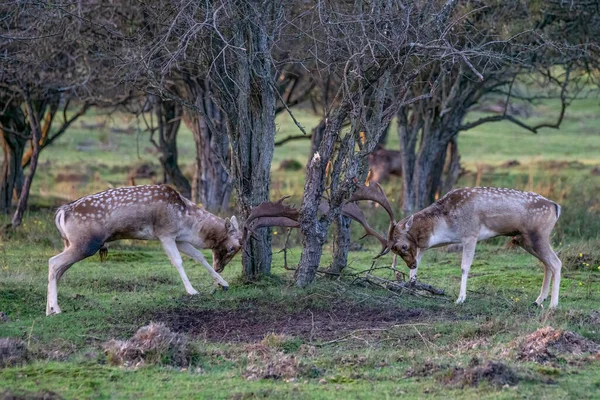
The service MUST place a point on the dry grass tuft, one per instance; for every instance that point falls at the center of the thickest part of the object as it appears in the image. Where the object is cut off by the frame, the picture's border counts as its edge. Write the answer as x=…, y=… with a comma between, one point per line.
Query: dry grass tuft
x=153, y=343
x=266, y=363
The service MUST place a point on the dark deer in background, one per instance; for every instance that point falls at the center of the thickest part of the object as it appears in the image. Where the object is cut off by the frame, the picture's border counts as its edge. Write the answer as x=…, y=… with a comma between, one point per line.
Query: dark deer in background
x=469, y=215
x=154, y=212
x=383, y=163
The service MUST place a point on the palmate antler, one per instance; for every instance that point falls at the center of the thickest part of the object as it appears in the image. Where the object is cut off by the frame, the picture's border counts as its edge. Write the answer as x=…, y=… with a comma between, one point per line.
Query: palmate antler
x=374, y=192
x=352, y=211
x=271, y=214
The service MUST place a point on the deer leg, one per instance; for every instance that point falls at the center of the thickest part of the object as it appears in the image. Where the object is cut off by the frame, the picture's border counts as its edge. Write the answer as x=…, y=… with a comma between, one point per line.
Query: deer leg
x=541, y=249
x=57, y=266
x=197, y=256
x=467, y=259
x=413, y=272
x=552, y=264
x=545, y=286
x=170, y=248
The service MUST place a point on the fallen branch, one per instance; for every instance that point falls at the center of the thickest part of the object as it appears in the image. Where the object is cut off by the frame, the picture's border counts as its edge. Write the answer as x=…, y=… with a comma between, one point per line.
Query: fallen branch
x=411, y=287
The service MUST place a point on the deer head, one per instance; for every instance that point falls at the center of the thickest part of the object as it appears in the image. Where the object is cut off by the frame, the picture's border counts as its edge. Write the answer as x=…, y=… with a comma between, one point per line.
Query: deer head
x=229, y=246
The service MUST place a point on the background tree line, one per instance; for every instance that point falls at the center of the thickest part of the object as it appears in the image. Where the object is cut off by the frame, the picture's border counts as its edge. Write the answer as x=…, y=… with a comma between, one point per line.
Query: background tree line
x=227, y=68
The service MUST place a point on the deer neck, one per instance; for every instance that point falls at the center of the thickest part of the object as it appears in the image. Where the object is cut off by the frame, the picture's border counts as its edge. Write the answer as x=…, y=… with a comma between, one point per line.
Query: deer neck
x=430, y=230
x=208, y=230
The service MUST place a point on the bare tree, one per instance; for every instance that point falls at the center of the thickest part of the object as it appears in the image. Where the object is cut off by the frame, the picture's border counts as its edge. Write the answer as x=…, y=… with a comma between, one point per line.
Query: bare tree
x=42, y=72
x=371, y=46
x=500, y=51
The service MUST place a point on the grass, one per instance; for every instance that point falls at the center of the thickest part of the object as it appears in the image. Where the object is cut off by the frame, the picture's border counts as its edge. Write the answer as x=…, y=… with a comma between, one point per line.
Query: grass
x=335, y=339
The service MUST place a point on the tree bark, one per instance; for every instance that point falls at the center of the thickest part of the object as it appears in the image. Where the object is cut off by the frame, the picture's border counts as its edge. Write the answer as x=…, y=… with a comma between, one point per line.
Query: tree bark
x=452, y=167
x=408, y=141
x=316, y=137
x=341, y=244
x=11, y=178
x=168, y=115
x=211, y=183
x=251, y=125
x=15, y=135
x=314, y=229
x=36, y=134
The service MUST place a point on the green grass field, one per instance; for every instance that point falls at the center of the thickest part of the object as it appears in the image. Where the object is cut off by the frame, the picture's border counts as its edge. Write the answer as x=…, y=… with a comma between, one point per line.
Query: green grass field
x=336, y=339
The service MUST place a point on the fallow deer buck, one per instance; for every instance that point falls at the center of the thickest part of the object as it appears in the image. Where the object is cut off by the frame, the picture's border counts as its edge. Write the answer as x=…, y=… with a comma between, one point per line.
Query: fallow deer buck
x=153, y=212
x=469, y=215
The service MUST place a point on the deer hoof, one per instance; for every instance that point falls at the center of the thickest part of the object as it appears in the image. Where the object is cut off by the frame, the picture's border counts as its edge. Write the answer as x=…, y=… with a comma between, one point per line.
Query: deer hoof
x=225, y=287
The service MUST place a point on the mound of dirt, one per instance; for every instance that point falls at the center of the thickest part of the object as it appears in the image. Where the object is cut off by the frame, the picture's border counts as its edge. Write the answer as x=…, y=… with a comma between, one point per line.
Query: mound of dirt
x=548, y=344
x=423, y=370
x=12, y=352
x=252, y=322
x=493, y=372
x=153, y=343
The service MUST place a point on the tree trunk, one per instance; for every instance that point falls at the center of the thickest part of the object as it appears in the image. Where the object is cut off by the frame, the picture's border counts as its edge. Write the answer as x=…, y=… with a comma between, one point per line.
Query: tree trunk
x=13, y=139
x=36, y=134
x=408, y=141
x=251, y=127
x=316, y=137
x=168, y=115
x=341, y=244
x=452, y=167
x=428, y=167
x=11, y=178
x=211, y=184
x=313, y=228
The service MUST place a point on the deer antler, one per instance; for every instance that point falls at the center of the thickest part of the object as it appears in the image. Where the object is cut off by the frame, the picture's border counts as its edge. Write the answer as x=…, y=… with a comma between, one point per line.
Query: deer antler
x=374, y=192
x=271, y=214
x=351, y=210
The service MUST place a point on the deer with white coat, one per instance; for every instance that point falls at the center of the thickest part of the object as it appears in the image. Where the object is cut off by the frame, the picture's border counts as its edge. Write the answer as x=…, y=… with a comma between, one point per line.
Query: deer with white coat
x=469, y=215
x=153, y=212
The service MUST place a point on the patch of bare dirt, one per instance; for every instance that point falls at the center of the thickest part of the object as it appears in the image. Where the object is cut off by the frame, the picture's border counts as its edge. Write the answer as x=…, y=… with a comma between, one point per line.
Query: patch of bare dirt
x=493, y=372
x=252, y=322
x=154, y=343
x=22, y=395
x=548, y=344
x=12, y=352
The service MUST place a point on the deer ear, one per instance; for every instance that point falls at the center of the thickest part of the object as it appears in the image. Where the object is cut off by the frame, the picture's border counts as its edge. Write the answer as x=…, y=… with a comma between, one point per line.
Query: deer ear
x=408, y=223
x=228, y=225
x=235, y=224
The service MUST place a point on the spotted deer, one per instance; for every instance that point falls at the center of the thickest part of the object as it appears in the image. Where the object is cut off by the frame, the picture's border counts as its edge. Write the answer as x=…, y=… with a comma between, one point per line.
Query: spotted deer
x=469, y=215
x=153, y=212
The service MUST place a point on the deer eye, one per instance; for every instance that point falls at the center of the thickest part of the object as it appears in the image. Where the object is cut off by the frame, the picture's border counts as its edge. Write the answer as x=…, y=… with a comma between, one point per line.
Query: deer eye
x=404, y=248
